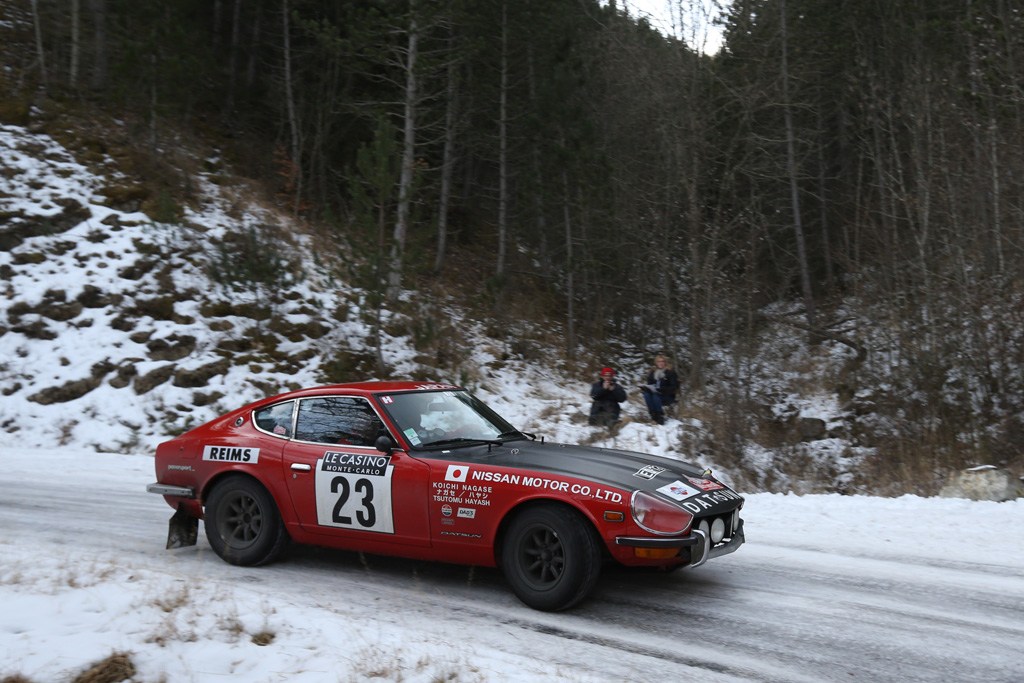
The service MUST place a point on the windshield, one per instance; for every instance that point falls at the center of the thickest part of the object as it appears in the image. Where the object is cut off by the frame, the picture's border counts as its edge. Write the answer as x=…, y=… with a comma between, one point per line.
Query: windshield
x=445, y=418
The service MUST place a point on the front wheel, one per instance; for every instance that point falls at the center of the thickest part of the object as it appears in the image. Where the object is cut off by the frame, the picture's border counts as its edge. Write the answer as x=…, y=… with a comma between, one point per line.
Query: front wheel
x=551, y=557
x=242, y=522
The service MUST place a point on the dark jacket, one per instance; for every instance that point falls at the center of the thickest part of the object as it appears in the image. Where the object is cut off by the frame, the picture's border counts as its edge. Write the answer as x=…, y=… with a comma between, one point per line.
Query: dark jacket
x=606, y=401
x=666, y=387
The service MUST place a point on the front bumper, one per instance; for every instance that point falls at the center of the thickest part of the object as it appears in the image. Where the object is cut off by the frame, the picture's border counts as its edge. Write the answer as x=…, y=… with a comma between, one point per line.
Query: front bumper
x=700, y=546
x=730, y=546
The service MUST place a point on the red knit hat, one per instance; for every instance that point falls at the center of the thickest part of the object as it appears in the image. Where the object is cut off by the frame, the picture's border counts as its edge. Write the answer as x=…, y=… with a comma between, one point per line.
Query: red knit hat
x=607, y=372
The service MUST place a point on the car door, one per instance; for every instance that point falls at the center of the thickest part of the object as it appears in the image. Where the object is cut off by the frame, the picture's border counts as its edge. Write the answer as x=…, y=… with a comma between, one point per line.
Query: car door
x=342, y=486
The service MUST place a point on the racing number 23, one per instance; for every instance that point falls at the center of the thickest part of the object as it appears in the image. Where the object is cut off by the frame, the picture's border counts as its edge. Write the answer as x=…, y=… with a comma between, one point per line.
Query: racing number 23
x=365, y=515
x=360, y=501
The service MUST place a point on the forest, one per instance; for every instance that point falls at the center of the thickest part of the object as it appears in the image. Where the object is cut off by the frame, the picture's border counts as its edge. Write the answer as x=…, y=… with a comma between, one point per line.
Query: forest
x=852, y=170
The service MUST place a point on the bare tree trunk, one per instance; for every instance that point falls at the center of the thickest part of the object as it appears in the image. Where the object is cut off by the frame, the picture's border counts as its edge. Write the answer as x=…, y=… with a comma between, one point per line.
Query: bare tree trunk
x=885, y=205
x=570, y=291
x=540, y=217
x=503, y=148
x=408, y=160
x=954, y=208
x=40, y=54
x=236, y=30
x=99, y=22
x=702, y=269
x=447, y=163
x=801, y=247
x=75, y=42
x=250, y=72
x=378, y=281
x=538, y=175
x=152, y=98
x=217, y=8
x=920, y=208
x=826, y=247
x=997, y=228
x=289, y=96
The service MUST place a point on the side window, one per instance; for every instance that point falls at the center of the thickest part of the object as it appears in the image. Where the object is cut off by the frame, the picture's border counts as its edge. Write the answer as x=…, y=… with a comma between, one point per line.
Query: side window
x=338, y=420
x=276, y=419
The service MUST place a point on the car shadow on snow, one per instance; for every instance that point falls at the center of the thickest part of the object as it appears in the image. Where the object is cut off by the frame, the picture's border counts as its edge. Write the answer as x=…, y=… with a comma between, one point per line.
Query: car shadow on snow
x=617, y=583
x=385, y=569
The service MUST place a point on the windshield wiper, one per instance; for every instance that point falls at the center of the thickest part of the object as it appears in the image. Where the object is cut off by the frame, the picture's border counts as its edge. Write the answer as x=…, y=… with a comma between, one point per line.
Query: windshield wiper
x=517, y=433
x=440, y=443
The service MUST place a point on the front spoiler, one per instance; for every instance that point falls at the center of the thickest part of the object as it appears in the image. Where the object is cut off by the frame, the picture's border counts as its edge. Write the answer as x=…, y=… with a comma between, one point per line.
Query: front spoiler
x=697, y=540
x=730, y=546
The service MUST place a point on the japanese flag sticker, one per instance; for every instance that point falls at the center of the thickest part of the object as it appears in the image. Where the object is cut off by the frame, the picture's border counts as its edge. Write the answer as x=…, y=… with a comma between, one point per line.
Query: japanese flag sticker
x=456, y=473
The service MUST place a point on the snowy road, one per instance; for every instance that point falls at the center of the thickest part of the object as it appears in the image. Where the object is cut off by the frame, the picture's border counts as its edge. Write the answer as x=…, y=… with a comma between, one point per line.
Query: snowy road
x=828, y=588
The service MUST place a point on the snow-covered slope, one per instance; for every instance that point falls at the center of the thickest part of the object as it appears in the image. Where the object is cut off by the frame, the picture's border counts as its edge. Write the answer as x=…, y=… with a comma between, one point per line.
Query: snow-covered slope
x=116, y=330
x=113, y=331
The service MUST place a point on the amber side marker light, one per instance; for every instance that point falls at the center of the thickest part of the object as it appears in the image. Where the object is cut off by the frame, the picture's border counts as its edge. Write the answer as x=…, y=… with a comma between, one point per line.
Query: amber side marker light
x=656, y=553
x=612, y=516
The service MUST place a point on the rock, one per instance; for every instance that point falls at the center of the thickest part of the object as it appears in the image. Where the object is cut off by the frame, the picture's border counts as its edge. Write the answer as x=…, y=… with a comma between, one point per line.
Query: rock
x=94, y=297
x=125, y=374
x=18, y=227
x=145, y=383
x=67, y=392
x=136, y=270
x=35, y=330
x=811, y=428
x=55, y=306
x=174, y=347
x=200, y=376
x=202, y=399
x=986, y=482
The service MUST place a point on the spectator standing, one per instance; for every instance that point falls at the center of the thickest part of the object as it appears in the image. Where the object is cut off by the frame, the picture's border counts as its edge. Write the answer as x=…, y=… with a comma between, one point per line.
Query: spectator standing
x=607, y=394
x=660, y=388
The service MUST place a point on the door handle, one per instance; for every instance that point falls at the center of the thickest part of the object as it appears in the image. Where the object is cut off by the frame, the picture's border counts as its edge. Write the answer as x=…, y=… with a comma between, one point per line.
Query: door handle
x=299, y=467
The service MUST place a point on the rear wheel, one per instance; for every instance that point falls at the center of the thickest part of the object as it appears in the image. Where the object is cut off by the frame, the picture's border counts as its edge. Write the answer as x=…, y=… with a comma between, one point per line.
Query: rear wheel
x=242, y=522
x=551, y=557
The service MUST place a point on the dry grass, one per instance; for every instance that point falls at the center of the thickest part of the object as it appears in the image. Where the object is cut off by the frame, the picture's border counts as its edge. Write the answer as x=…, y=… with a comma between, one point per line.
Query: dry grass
x=174, y=604
x=16, y=678
x=175, y=601
x=66, y=428
x=114, y=669
x=186, y=623
x=263, y=638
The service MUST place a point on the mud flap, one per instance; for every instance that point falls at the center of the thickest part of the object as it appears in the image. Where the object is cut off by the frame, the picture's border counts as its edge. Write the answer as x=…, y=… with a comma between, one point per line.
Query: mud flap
x=182, y=530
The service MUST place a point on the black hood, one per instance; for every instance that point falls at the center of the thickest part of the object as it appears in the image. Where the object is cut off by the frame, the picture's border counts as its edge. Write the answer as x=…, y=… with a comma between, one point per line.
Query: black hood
x=627, y=470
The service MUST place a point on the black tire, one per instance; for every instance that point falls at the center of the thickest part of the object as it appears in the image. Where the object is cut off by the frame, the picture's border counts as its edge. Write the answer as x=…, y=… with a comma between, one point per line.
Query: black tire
x=551, y=557
x=242, y=522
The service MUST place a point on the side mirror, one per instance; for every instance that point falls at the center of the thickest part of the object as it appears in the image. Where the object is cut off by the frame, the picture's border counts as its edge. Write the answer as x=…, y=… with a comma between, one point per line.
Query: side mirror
x=384, y=444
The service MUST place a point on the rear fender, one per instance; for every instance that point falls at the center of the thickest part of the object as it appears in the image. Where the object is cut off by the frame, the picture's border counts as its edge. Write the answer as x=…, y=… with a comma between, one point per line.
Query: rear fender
x=276, y=490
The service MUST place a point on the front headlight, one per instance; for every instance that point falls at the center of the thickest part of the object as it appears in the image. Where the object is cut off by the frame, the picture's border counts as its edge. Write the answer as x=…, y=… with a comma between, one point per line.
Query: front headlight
x=658, y=516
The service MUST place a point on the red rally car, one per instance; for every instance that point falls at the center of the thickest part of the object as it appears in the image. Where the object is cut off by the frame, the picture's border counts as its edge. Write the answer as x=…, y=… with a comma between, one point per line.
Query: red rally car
x=428, y=471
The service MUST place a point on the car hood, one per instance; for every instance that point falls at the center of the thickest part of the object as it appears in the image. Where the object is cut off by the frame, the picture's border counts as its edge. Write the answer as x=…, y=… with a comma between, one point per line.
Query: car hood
x=674, y=479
